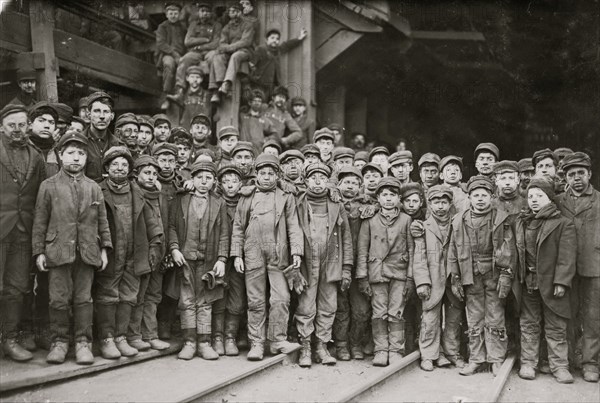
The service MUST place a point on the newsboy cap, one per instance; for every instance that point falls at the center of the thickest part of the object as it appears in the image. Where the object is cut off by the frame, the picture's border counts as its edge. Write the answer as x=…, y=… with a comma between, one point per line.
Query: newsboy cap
x=243, y=146
x=229, y=169
x=203, y=166
x=264, y=160
x=227, y=131
x=438, y=191
x=361, y=156
x=144, y=160
x=505, y=166
x=323, y=133
x=42, y=108
x=10, y=109
x=98, y=96
x=451, y=159
x=429, y=158
x=389, y=182
x=349, y=170
x=342, y=152
x=378, y=150
x=544, y=183
x=308, y=149
x=400, y=157
x=543, y=154
x=65, y=112
x=480, y=181
x=26, y=74
x=577, y=159
x=115, y=152
x=318, y=167
x=372, y=167
x=487, y=147
x=165, y=148
x=289, y=154
x=411, y=188
x=71, y=136
x=525, y=165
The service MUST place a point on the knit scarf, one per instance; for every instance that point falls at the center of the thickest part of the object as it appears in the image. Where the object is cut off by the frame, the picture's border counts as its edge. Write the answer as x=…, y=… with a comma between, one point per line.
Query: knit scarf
x=231, y=201
x=43, y=144
x=441, y=220
x=479, y=214
x=166, y=178
x=312, y=195
x=150, y=194
x=118, y=188
x=548, y=211
x=317, y=202
x=266, y=188
x=511, y=196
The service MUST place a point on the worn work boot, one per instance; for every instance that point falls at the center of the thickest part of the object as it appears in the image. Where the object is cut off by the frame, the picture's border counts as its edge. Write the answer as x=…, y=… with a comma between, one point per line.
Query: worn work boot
x=177, y=97
x=427, y=365
x=217, y=345
x=341, y=351
x=470, y=369
x=187, y=351
x=380, y=338
x=27, y=340
x=205, y=350
x=562, y=375
x=527, y=372
x=108, y=349
x=158, y=344
x=231, y=349
x=285, y=347
x=83, y=353
x=357, y=353
x=58, y=352
x=545, y=368
x=124, y=347
x=496, y=368
x=14, y=350
x=442, y=361
x=589, y=375
x=457, y=361
x=395, y=340
x=380, y=359
x=322, y=352
x=305, y=360
x=139, y=344
x=257, y=351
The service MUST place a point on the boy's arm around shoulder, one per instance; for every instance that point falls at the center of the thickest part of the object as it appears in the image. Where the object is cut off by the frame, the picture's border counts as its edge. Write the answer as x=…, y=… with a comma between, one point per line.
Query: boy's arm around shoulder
x=103, y=228
x=41, y=217
x=295, y=234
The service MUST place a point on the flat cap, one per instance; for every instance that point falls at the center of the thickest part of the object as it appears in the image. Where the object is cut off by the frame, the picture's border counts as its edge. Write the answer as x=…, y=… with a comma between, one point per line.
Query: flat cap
x=264, y=160
x=400, y=157
x=487, y=147
x=172, y=4
x=65, y=112
x=310, y=149
x=378, y=150
x=227, y=131
x=144, y=160
x=100, y=95
x=451, y=158
x=411, y=188
x=83, y=102
x=26, y=74
x=142, y=120
x=235, y=5
x=203, y=166
x=389, y=182
x=165, y=148
x=349, y=170
x=42, y=108
x=179, y=134
x=323, y=133
x=257, y=93
x=244, y=146
x=505, y=166
x=336, y=126
x=229, y=169
x=480, y=181
x=361, y=156
x=201, y=118
x=194, y=70
x=160, y=118
x=562, y=151
x=577, y=159
x=429, y=158
x=543, y=154
x=438, y=191
x=298, y=101
x=318, y=167
x=71, y=136
x=205, y=153
x=525, y=165
x=289, y=154
x=281, y=90
x=371, y=167
x=127, y=118
x=544, y=183
x=342, y=152
x=272, y=143
x=10, y=109
x=115, y=152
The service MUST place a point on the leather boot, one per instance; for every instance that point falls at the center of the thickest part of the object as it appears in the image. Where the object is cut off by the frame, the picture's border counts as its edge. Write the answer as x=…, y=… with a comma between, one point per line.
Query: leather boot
x=204, y=349
x=357, y=352
x=218, y=328
x=158, y=344
x=83, y=353
x=27, y=340
x=257, y=351
x=282, y=347
x=231, y=331
x=396, y=340
x=189, y=345
x=305, y=360
x=14, y=350
x=11, y=316
x=562, y=375
x=380, y=340
x=341, y=351
x=105, y=321
x=124, y=348
x=323, y=355
x=58, y=352
x=108, y=349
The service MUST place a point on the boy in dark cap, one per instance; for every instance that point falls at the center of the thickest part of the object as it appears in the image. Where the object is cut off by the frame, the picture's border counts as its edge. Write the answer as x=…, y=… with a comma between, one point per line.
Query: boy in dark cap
x=145, y=134
x=182, y=139
x=306, y=124
x=137, y=238
x=43, y=118
x=242, y=156
x=383, y=269
x=581, y=203
x=127, y=128
x=431, y=277
x=228, y=138
x=27, y=82
x=70, y=210
x=340, y=157
x=451, y=174
x=401, y=165
x=379, y=155
x=199, y=245
x=265, y=234
x=23, y=169
x=484, y=235
x=361, y=158
x=200, y=129
x=323, y=138
x=83, y=112
x=312, y=154
x=272, y=146
x=162, y=129
x=65, y=115
x=254, y=126
x=486, y=155
x=170, y=36
x=506, y=174
x=328, y=263
x=194, y=100
x=292, y=162
x=372, y=174
x=526, y=171
x=429, y=170
x=77, y=124
x=287, y=128
x=545, y=162
x=546, y=266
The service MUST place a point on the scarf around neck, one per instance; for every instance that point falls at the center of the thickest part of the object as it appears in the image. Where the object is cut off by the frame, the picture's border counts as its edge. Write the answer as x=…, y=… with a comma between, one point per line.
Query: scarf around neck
x=118, y=188
x=266, y=188
x=43, y=144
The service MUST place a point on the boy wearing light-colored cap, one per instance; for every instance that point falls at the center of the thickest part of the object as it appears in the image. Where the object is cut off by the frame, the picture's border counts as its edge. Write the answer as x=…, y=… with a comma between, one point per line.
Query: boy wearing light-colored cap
x=254, y=126
x=486, y=155
x=451, y=174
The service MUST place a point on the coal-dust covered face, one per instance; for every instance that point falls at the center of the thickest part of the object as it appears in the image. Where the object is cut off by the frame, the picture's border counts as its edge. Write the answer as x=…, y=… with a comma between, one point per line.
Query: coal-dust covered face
x=451, y=175
x=228, y=142
x=167, y=163
x=343, y=162
x=358, y=141
x=325, y=146
x=485, y=162
x=204, y=181
x=144, y=136
x=231, y=184
x=204, y=14
x=279, y=101
x=77, y=126
x=73, y=157
x=349, y=186
x=183, y=154
x=256, y=104
x=200, y=132
x=546, y=167
x=273, y=40
x=411, y=204
x=43, y=126
x=430, y=174
x=234, y=13
x=401, y=171
x=266, y=176
x=147, y=177
x=440, y=206
x=292, y=168
x=311, y=158
x=271, y=150
x=298, y=109
x=129, y=134
x=480, y=199
x=100, y=115
x=194, y=80
x=360, y=163
x=118, y=169
x=161, y=132
x=507, y=182
x=371, y=178
x=381, y=159
x=537, y=199
x=525, y=178
x=388, y=198
x=172, y=15
x=28, y=86
x=243, y=160
x=317, y=182
x=578, y=178
x=247, y=6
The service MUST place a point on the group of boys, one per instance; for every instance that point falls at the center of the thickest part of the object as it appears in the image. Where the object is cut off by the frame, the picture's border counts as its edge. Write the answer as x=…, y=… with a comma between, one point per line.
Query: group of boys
x=307, y=246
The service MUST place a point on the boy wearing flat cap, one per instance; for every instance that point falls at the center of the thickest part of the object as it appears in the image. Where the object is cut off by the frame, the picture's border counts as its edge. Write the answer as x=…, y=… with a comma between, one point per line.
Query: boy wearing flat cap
x=300, y=115
x=27, y=82
x=581, y=203
x=195, y=100
x=379, y=156
x=546, y=266
x=170, y=37
x=431, y=278
x=506, y=174
x=292, y=163
x=327, y=265
x=287, y=129
x=401, y=165
x=429, y=170
x=70, y=210
x=486, y=155
x=451, y=174
x=383, y=269
x=254, y=126
x=265, y=233
x=137, y=238
x=482, y=260
x=323, y=138
x=526, y=171
x=199, y=244
x=200, y=130
x=242, y=156
x=162, y=129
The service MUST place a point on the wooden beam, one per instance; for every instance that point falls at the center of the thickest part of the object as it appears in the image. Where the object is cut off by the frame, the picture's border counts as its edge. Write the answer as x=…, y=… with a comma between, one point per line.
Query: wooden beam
x=449, y=35
x=42, y=29
x=331, y=49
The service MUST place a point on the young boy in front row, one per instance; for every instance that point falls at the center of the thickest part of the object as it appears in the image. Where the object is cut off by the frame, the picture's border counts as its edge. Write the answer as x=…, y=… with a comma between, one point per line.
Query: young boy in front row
x=385, y=254
x=199, y=243
x=70, y=240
